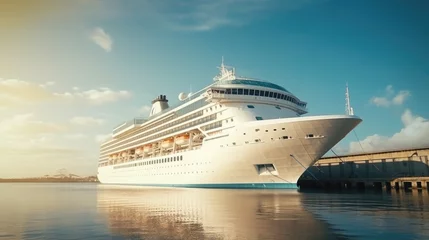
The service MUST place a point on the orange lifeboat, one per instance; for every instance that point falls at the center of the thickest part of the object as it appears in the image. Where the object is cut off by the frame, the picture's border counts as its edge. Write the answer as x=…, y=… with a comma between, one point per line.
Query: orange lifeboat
x=147, y=148
x=167, y=143
x=182, y=139
x=139, y=150
x=124, y=154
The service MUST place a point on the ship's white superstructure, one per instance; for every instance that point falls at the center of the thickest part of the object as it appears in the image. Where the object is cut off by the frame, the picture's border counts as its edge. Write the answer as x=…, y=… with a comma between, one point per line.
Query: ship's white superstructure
x=235, y=133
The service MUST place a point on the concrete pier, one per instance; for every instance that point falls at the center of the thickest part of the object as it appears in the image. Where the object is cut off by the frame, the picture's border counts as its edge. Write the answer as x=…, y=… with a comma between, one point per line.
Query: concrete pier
x=404, y=169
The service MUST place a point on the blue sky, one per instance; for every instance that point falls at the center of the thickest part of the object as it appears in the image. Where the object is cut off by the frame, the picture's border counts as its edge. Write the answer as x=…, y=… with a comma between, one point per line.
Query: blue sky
x=71, y=71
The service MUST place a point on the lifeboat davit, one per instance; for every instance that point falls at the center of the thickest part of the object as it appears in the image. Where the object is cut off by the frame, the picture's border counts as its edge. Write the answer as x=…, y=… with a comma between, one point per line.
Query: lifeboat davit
x=147, y=148
x=198, y=138
x=182, y=139
x=167, y=143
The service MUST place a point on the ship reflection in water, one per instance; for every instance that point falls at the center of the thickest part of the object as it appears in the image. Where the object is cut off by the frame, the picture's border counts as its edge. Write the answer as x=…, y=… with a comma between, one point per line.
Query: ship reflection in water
x=155, y=213
x=52, y=211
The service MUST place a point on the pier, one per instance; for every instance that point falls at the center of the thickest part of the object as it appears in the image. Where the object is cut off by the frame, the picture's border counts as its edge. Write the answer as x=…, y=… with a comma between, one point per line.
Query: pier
x=401, y=169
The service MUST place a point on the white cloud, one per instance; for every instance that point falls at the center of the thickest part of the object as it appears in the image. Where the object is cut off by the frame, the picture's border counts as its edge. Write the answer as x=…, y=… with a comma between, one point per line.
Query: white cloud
x=414, y=134
x=17, y=92
x=388, y=100
x=86, y=121
x=102, y=39
x=400, y=98
x=380, y=101
x=27, y=125
x=97, y=96
x=102, y=137
x=47, y=84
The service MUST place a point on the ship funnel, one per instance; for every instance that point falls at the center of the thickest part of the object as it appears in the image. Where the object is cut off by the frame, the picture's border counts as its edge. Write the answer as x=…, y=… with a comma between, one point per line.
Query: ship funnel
x=159, y=104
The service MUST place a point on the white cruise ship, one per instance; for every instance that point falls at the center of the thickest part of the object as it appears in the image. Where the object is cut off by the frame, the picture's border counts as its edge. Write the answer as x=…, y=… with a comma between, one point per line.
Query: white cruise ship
x=237, y=132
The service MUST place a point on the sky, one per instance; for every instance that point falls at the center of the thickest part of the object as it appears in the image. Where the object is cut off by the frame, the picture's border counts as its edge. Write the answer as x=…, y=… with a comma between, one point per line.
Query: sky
x=70, y=71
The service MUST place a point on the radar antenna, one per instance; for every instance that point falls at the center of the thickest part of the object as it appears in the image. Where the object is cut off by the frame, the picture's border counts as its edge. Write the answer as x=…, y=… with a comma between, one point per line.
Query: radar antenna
x=349, y=109
x=226, y=72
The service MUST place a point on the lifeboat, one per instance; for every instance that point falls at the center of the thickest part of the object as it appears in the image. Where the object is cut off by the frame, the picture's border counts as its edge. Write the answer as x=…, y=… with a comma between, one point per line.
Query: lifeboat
x=139, y=151
x=114, y=156
x=124, y=154
x=167, y=143
x=182, y=139
x=147, y=148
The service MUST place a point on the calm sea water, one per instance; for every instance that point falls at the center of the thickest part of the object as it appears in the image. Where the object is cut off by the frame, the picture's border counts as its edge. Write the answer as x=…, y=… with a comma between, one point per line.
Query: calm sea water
x=93, y=211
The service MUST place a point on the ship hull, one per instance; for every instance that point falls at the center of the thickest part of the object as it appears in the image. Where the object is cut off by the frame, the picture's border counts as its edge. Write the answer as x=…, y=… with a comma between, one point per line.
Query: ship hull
x=259, y=154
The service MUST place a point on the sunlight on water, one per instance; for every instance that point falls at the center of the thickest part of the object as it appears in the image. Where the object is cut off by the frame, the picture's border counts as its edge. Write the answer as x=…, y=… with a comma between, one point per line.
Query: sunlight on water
x=91, y=211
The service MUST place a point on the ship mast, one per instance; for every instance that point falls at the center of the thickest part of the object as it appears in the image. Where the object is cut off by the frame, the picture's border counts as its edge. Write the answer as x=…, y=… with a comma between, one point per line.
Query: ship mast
x=349, y=109
x=225, y=73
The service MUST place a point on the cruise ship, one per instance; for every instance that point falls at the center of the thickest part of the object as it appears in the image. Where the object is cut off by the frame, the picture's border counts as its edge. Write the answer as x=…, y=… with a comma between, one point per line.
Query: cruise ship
x=237, y=132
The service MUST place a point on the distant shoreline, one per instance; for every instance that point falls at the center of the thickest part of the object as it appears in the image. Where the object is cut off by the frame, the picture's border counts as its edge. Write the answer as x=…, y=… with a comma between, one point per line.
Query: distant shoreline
x=48, y=180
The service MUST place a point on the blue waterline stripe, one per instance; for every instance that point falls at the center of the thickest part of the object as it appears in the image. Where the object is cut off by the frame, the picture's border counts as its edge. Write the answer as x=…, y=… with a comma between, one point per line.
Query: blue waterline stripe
x=223, y=185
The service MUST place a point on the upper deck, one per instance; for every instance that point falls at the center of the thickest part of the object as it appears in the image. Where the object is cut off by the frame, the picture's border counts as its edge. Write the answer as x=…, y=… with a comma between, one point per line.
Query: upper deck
x=226, y=87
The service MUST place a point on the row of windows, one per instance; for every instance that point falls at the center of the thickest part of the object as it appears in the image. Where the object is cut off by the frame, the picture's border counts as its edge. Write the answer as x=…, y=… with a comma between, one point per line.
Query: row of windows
x=261, y=93
x=211, y=126
x=151, y=162
x=194, y=115
x=193, y=106
x=174, y=173
x=176, y=129
x=258, y=140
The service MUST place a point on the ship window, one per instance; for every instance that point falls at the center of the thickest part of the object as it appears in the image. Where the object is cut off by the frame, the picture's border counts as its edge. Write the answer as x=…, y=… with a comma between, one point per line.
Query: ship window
x=278, y=107
x=271, y=94
x=256, y=92
x=257, y=130
x=259, y=118
x=234, y=91
x=275, y=95
x=174, y=158
x=228, y=91
x=181, y=157
x=261, y=93
x=267, y=93
x=246, y=91
x=240, y=91
x=283, y=129
x=274, y=129
x=252, y=92
x=310, y=135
